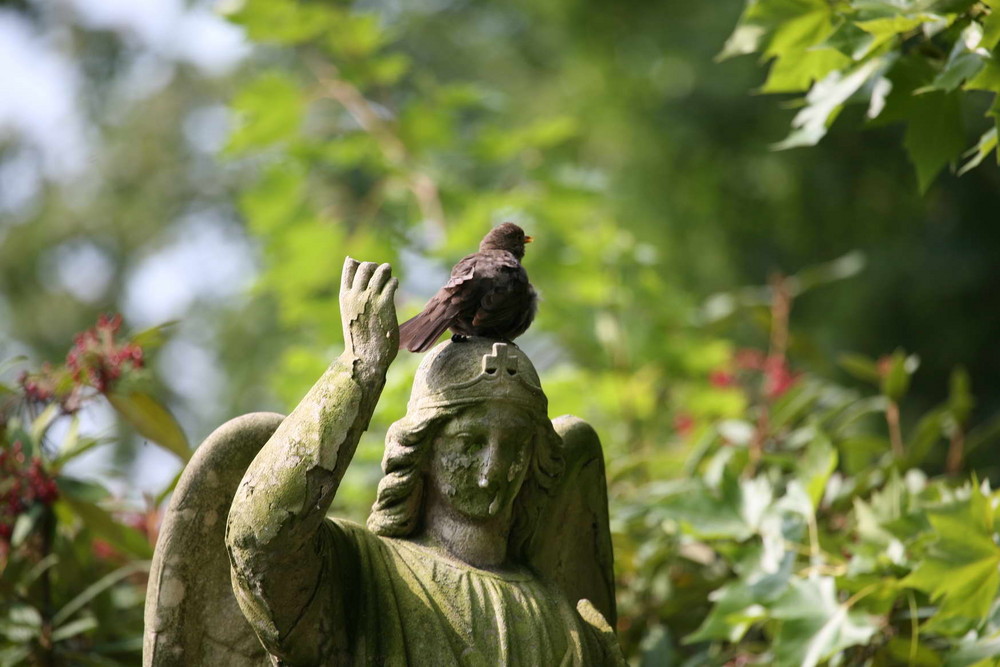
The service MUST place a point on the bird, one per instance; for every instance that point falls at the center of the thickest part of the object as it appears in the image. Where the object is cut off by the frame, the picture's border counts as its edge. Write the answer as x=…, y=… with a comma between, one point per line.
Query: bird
x=488, y=295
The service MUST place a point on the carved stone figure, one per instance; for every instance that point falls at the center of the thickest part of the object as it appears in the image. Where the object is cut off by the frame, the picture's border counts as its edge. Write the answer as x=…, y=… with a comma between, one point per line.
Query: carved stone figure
x=488, y=543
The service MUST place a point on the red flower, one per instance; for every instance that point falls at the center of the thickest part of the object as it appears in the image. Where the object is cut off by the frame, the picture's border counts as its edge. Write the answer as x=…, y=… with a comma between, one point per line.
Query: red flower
x=683, y=423
x=721, y=378
x=779, y=378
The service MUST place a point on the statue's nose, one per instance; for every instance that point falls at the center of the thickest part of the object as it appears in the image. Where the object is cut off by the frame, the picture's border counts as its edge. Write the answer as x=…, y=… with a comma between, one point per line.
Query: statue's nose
x=490, y=462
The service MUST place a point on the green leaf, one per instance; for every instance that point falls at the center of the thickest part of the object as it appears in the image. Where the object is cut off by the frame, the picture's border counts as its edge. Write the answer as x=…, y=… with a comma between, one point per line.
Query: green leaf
x=824, y=101
x=42, y=422
x=37, y=570
x=270, y=111
x=100, y=522
x=960, y=399
x=760, y=19
x=934, y=134
x=973, y=651
x=844, y=267
x=658, y=648
x=79, y=489
x=987, y=144
x=906, y=651
x=884, y=29
x=896, y=379
x=284, y=21
x=154, y=337
x=800, y=57
x=988, y=77
x=152, y=421
x=816, y=466
x=21, y=624
x=956, y=71
x=74, y=628
x=860, y=367
x=814, y=625
x=26, y=523
x=851, y=40
x=745, y=39
x=704, y=513
x=858, y=453
x=991, y=26
x=928, y=431
x=733, y=612
x=95, y=589
x=960, y=571
x=985, y=433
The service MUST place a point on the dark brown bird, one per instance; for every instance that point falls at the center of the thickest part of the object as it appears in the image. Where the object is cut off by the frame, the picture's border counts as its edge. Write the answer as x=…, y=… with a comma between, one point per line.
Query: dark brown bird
x=487, y=295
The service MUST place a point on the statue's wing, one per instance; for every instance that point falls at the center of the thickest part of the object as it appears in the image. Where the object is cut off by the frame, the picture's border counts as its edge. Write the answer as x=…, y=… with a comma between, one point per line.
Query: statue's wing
x=575, y=550
x=192, y=617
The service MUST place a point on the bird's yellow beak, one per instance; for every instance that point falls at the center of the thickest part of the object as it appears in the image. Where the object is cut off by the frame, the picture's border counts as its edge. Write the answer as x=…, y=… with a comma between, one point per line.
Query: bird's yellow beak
x=528, y=239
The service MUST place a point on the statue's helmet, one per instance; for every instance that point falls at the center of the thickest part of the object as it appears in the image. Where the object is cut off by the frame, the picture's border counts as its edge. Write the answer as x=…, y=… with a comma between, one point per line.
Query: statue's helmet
x=475, y=370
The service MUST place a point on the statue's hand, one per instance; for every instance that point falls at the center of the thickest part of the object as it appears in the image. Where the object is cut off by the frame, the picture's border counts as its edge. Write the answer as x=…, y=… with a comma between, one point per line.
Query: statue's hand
x=371, y=331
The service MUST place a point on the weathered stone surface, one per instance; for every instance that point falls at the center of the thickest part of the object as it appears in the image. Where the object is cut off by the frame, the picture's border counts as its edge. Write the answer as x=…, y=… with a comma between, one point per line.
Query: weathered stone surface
x=191, y=615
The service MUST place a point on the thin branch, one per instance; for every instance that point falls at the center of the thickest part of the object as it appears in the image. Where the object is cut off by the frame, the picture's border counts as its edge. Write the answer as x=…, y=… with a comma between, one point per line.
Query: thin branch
x=422, y=186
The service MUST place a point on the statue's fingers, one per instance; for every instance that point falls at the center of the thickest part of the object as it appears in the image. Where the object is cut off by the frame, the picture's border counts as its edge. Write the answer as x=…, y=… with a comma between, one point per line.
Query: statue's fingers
x=350, y=268
x=381, y=277
x=389, y=291
x=364, y=275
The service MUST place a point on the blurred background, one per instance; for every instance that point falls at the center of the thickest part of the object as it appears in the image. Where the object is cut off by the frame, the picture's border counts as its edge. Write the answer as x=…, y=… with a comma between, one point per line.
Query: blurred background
x=209, y=165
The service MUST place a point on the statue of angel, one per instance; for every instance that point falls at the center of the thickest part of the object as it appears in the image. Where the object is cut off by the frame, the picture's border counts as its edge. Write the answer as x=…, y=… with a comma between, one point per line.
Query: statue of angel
x=488, y=543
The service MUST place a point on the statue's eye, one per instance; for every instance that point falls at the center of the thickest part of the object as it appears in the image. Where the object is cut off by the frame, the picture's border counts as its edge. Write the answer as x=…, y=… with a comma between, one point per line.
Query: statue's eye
x=468, y=440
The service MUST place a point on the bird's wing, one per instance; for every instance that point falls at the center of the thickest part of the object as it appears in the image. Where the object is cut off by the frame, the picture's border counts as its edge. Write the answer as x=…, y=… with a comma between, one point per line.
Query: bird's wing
x=510, y=301
x=419, y=333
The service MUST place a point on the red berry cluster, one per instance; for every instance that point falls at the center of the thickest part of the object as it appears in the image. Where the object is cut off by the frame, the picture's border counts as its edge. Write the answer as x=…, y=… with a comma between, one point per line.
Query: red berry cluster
x=778, y=377
x=40, y=387
x=746, y=370
x=24, y=484
x=96, y=360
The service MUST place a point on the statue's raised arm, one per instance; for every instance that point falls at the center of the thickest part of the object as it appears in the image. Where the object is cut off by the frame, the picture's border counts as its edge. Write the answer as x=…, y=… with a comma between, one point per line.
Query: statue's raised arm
x=274, y=535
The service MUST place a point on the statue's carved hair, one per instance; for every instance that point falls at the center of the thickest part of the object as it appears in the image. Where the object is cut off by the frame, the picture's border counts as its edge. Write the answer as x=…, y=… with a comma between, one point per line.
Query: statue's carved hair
x=398, y=508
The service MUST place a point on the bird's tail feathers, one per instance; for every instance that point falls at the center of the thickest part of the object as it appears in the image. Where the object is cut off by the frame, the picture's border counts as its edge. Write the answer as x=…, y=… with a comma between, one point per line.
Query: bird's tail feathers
x=419, y=333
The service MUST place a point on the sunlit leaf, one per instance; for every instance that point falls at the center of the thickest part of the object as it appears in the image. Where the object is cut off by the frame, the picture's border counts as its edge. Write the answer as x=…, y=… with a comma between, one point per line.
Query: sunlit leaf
x=42, y=422
x=154, y=337
x=824, y=100
x=152, y=421
x=987, y=144
x=814, y=624
x=960, y=571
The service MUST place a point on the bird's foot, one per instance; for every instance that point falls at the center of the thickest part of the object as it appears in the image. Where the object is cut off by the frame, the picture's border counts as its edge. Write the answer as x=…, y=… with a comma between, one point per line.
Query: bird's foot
x=458, y=338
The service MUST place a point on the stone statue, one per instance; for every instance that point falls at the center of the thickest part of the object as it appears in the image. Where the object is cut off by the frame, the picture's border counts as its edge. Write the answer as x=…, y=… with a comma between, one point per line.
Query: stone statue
x=488, y=543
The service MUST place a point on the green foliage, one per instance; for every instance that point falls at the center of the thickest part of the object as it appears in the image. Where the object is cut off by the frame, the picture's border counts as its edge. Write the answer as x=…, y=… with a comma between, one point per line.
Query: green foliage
x=758, y=511
x=72, y=559
x=912, y=62
x=813, y=533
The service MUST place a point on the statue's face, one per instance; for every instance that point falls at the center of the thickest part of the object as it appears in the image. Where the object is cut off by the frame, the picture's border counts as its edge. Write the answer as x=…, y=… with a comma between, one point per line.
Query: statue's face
x=481, y=457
